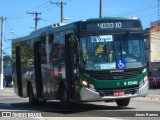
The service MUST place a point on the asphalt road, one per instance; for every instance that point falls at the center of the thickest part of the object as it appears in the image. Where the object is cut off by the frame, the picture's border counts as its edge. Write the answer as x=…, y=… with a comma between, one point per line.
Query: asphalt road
x=97, y=110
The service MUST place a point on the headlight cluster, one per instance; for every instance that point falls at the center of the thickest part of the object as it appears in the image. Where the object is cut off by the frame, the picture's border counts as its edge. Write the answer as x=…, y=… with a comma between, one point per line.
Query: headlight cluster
x=84, y=82
x=143, y=81
x=144, y=70
x=88, y=85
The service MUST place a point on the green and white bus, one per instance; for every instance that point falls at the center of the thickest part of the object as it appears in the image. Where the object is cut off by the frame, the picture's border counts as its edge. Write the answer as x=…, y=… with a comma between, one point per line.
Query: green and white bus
x=100, y=59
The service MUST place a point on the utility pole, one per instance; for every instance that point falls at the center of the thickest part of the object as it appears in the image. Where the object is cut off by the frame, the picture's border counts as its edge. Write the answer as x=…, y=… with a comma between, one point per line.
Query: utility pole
x=100, y=10
x=61, y=5
x=158, y=19
x=2, y=50
x=36, y=18
x=158, y=12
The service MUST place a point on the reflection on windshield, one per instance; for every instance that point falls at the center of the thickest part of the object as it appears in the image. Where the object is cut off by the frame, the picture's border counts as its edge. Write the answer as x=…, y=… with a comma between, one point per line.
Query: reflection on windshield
x=111, y=51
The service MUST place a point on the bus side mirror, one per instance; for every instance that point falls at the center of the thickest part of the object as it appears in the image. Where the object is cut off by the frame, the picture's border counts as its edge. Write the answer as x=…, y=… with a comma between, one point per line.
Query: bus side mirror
x=147, y=41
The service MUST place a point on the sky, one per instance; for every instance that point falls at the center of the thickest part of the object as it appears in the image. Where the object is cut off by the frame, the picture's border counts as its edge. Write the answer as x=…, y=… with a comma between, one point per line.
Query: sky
x=18, y=23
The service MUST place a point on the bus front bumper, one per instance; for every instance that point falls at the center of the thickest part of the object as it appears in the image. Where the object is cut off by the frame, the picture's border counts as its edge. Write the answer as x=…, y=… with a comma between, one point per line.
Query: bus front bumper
x=87, y=94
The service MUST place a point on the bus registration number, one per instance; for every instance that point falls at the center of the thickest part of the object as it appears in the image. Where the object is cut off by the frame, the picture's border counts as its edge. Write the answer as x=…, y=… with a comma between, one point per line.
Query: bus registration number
x=118, y=93
x=131, y=83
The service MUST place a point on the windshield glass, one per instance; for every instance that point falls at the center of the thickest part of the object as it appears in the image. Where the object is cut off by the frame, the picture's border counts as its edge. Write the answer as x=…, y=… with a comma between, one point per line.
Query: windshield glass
x=114, y=51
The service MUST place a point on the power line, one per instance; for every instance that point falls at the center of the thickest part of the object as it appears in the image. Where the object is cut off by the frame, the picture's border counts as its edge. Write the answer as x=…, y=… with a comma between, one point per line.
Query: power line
x=46, y=10
x=144, y=16
x=39, y=6
x=42, y=7
x=22, y=14
x=10, y=29
x=139, y=10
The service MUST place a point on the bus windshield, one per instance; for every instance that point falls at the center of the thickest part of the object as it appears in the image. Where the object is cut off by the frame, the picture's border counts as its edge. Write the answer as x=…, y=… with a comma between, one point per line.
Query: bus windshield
x=112, y=51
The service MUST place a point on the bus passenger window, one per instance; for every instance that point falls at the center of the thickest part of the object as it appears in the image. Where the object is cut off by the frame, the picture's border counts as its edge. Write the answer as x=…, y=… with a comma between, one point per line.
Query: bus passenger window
x=42, y=50
x=57, y=51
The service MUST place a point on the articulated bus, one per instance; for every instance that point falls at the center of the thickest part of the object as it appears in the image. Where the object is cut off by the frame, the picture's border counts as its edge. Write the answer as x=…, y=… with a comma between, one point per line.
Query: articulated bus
x=101, y=59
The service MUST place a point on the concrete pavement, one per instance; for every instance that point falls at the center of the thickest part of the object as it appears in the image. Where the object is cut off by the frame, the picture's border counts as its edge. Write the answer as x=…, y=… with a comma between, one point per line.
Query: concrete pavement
x=154, y=94
x=7, y=90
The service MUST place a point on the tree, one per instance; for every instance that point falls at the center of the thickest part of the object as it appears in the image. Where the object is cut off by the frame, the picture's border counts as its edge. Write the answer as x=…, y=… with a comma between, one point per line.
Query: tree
x=7, y=60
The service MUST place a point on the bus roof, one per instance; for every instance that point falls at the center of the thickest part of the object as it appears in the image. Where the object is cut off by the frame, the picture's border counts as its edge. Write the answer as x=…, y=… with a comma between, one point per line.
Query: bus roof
x=113, y=18
x=39, y=32
x=48, y=29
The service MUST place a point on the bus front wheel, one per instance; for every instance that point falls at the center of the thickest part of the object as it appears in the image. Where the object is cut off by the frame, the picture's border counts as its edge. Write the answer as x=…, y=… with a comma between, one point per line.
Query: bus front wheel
x=32, y=100
x=123, y=102
x=64, y=96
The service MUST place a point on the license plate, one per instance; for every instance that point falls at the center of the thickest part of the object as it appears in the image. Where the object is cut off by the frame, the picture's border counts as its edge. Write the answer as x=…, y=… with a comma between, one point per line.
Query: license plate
x=118, y=93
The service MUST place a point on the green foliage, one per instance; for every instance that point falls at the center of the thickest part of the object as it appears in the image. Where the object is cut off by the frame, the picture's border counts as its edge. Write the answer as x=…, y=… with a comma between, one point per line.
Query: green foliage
x=7, y=60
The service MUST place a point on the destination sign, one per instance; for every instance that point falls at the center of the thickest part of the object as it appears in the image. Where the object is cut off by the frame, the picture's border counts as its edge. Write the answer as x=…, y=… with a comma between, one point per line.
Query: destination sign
x=109, y=25
x=115, y=24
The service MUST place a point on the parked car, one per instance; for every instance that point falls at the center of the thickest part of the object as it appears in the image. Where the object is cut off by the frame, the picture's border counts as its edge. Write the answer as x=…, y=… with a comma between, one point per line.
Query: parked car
x=154, y=82
x=8, y=81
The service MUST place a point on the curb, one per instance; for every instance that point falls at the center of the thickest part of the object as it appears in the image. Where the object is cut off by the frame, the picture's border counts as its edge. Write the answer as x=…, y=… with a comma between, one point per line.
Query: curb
x=148, y=98
x=7, y=90
x=154, y=98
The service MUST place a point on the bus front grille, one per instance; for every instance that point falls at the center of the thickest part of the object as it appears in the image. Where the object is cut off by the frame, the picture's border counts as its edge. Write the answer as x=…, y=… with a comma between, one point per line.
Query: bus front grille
x=115, y=75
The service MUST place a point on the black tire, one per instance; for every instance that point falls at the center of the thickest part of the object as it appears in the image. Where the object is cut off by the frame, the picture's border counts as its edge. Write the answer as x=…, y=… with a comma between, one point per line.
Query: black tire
x=63, y=95
x=42, y=102
x=4, y=83
x=123, y=102
x=32, y=100
x=7, y=83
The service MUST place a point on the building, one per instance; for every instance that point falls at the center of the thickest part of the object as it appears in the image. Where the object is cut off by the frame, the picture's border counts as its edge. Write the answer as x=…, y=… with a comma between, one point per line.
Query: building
x=152, y=36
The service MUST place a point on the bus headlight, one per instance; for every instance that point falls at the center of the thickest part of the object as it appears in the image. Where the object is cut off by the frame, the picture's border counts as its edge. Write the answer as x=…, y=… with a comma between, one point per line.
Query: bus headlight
x=145, y=78
x=84, y=82
x=143, y=81
x=144, y=70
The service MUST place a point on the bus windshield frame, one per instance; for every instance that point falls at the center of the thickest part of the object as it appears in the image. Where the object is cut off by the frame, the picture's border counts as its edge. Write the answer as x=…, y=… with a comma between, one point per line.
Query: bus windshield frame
x=112, y=51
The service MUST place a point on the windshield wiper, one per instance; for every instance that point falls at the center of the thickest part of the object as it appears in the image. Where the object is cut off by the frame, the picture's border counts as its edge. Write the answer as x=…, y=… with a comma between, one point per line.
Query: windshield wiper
x=126, y=34
x=121, y=44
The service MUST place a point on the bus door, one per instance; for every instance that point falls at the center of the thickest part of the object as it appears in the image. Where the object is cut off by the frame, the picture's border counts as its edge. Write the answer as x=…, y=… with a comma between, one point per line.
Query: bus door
x=18, y=71
x=37, y=68
x=45, y=67
x=70, y=64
